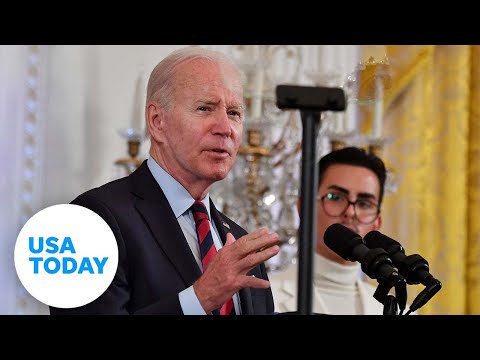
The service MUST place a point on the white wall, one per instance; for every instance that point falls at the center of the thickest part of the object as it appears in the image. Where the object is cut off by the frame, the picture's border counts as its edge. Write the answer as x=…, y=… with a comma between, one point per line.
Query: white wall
x=91, y=95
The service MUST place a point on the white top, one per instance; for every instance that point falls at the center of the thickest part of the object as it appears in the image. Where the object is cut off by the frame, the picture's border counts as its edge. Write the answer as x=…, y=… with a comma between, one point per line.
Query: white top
x=337, y=289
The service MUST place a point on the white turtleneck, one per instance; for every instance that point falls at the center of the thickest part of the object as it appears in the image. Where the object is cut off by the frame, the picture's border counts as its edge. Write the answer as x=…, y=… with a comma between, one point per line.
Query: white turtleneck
x=337, y=289
x=336, y=286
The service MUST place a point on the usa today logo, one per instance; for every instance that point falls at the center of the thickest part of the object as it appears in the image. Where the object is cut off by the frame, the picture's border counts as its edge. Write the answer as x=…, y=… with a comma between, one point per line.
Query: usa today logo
x=66, y=256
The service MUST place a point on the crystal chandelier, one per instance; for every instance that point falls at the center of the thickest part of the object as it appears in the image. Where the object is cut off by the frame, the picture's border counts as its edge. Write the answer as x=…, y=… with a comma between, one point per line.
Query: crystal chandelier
x=365, y=89
x=263, y=185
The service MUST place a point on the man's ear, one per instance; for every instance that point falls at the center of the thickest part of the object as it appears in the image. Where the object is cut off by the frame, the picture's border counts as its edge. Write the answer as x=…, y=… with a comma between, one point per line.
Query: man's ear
x=378, y=222
x=155, y=116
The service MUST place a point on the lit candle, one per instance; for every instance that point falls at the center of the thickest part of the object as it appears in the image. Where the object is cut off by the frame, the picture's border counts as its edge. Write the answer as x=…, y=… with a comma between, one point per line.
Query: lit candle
x=138, y=111
x=350, y=117
x=257, y=93
x=378, y=110
x=340, y=122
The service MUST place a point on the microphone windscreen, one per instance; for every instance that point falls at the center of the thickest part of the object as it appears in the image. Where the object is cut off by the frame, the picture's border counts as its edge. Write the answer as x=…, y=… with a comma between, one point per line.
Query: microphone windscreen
x=375, y=239
x=341, y=240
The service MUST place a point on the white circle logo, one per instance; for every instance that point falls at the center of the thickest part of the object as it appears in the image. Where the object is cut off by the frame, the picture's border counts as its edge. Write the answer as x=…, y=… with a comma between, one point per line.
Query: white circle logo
x=66, y=256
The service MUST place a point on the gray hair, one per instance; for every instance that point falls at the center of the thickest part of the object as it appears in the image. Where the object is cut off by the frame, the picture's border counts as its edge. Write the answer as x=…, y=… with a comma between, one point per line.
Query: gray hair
x=160, y=86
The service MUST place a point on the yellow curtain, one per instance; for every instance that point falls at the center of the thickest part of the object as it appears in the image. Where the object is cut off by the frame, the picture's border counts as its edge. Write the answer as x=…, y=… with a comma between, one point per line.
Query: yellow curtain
x=432, y=112
x=473, y=245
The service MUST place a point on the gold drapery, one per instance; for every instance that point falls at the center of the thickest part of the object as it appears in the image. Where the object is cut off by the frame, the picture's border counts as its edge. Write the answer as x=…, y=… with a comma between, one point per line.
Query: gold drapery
x=473, y=241
x=432, y=113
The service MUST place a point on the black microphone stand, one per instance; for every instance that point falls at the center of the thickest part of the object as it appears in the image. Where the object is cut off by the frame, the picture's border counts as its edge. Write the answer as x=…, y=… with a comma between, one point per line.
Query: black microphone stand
x=311, y=101
x=308, y=219
x=390, y=305
x=374, y=261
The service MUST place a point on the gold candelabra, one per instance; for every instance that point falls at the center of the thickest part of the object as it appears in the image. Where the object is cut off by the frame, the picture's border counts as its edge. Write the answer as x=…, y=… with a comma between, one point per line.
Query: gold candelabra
x=134, y=140
x=132, y=162
x=253, y=153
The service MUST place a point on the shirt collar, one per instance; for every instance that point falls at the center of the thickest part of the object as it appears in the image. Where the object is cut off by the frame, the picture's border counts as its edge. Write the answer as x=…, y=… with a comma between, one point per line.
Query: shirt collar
x=178, y=197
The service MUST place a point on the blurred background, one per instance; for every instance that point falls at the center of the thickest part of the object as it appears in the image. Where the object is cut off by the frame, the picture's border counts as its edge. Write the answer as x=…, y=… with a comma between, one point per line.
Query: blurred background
x=72, y=118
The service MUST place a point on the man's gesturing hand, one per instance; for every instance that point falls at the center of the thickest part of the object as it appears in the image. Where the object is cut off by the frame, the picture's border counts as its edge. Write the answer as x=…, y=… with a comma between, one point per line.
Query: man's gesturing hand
x=227, y=272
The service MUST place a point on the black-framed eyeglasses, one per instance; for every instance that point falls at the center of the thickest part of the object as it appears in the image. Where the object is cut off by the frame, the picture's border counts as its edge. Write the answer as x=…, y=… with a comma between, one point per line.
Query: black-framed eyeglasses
x=335, y=204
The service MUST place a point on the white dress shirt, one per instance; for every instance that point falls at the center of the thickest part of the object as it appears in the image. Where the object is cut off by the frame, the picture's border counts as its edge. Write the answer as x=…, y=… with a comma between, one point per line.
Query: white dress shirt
x=180, y=201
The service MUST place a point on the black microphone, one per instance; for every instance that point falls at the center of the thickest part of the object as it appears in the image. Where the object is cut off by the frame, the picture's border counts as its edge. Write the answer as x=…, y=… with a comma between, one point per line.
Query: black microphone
x=414, y=267
x=349, y=245
x=375, y=262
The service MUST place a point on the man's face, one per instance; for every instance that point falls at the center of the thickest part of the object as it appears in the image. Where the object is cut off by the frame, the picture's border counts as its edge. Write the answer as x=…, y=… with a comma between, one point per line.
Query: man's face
x=200, y=136
x=354, y=182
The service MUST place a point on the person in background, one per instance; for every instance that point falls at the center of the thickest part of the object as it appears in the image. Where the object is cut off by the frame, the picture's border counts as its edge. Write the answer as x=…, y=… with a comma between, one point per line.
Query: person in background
x=351, y=186
x=160, y=213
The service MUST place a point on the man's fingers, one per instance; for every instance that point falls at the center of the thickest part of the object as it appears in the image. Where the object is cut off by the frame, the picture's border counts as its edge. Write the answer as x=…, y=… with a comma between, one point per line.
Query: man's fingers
x=253, y=282
x=230, y=239
x=248, y=245
x=258, y=257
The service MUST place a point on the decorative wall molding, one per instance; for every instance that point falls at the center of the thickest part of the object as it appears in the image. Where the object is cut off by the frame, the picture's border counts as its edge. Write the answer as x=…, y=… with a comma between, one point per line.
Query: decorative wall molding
x=32, y=157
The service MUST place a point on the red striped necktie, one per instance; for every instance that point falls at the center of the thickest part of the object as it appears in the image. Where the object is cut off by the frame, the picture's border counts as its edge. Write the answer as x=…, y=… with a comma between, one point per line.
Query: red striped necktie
x=207, y=248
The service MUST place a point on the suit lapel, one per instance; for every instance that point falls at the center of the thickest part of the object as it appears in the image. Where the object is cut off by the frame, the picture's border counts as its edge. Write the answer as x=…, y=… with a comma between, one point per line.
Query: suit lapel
x=223, y=228
x=159, y=217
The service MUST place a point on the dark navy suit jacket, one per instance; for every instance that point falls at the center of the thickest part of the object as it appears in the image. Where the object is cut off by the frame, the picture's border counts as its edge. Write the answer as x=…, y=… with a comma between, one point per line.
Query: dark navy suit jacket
x=155, y=262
